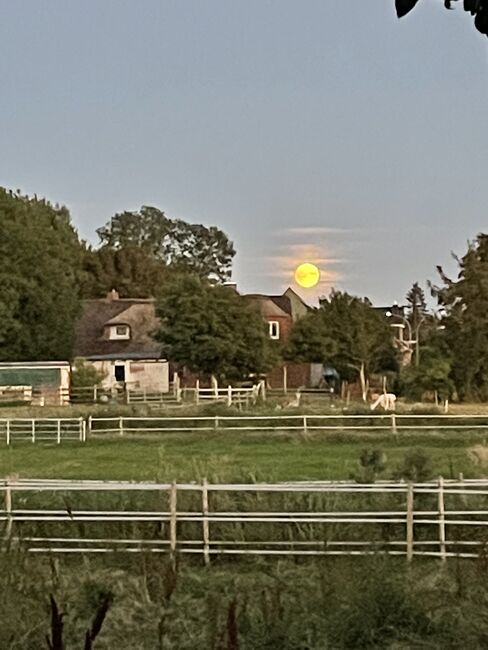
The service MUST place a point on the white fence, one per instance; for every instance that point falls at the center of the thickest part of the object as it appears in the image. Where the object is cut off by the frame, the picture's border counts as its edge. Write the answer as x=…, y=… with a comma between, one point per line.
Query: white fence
x=42, y=429
x=440, y=519
x=230, y=395
x=65, y=429
x=269, y=423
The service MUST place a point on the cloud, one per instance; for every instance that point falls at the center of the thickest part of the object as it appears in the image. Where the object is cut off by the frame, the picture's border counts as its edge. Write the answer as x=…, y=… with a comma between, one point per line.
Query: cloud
x=295, y=259
x=319, y=230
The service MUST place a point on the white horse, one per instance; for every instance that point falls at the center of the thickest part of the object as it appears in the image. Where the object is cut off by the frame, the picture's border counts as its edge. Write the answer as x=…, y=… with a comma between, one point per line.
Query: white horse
x=386, y=401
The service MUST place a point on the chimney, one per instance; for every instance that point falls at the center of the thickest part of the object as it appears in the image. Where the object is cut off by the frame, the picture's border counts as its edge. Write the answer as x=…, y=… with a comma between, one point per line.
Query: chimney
x=112, y=295
x=231, y=285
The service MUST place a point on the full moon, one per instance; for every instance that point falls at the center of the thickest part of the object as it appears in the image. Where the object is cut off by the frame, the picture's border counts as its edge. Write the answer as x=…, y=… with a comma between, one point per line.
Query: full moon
x=307, y=275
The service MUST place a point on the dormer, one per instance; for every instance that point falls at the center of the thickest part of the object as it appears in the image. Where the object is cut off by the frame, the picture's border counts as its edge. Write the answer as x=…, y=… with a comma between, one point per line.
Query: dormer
x=117, y=331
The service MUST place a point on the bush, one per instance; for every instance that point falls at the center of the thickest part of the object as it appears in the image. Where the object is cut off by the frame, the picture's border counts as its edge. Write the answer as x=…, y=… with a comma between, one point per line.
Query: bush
x=84, y=374
x=416, y=466
x=372, y=462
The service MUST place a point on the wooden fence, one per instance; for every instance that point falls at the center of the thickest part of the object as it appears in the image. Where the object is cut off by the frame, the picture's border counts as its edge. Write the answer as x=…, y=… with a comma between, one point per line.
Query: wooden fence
x=440, y=519
x=43, y=429
x=394, y=423
x=69, y=429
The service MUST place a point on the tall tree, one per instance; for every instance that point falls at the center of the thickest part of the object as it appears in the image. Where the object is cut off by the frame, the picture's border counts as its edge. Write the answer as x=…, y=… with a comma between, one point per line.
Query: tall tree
x=40, y=259
x=346, y=332
x=417, y=312
x=477, y=8
x=465, y=302
x=211, y=329
x=184, y=246
x=133, y=271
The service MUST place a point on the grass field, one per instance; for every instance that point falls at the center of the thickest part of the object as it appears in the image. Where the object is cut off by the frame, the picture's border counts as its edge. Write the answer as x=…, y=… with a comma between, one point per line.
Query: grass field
x=374, y=603
x=238, y=456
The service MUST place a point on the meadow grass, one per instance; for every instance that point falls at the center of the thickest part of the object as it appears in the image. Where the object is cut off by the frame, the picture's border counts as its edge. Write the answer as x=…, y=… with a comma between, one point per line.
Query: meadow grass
x=235, y=456
x=335, y=603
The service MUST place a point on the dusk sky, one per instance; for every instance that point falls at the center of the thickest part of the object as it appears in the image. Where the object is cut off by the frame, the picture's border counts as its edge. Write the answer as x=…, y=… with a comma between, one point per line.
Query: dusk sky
x=321, y=130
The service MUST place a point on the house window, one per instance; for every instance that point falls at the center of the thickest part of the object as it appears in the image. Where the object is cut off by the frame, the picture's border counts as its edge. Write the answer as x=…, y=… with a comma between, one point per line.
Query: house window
x=274, y=329
x=119, y=332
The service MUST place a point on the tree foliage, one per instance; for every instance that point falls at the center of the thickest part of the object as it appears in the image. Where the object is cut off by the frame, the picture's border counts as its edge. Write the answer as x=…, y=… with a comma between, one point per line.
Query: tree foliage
x=465, y=301
x=40, y=261
x=477, y=8
x=433, y=374
x=186, y=247
x=133, y=271
x=85, y=374
x=212, y=330
x=417, y=306
x=346, y=332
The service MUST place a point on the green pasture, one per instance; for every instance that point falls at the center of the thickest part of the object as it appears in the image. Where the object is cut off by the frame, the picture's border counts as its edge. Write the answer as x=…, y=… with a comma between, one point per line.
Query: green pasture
x=241, y=456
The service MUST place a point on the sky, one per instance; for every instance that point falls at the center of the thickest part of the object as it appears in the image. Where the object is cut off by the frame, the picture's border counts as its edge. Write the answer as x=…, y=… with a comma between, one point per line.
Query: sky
x=308, y=130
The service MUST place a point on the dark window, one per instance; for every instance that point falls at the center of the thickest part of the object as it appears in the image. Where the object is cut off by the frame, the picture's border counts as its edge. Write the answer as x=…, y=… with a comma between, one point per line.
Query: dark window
x=119, y=373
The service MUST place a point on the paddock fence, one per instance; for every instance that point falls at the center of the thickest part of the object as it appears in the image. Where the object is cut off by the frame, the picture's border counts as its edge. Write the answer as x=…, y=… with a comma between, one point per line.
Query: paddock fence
x=394, y=423
x=79, y=429
x=440, y=519
x=42, y=429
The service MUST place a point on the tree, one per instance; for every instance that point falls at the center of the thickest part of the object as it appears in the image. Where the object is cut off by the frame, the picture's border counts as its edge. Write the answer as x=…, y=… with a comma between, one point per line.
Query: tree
x=417, y=306
x=85, y=374
x=417, y=315
x=310, y=341
x=431, y=375
x=346, y=332
x=184, y=246
x=477, y=8
x=211, y=329
x=465, y=333
x=40, y=261
x=133, y=271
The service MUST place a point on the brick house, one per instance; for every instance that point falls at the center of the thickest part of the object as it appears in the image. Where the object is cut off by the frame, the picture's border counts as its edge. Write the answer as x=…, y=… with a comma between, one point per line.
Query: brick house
x=280, y=312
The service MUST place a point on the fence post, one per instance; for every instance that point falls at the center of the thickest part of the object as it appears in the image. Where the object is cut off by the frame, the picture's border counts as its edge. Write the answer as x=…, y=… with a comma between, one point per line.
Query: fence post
x=216, y=422
x=8, y=509
x=393, y=423
x=95, y=394
x=304, y=424
x=7, y=431
x=410, y=522
x=58, y=431
x=121, y=426
x=442, y=520
x=229, y=395
x=172, y=521
x=82, y=429
x=33, y=430
x=89, y=426
x=197, y=391
x=206, y=525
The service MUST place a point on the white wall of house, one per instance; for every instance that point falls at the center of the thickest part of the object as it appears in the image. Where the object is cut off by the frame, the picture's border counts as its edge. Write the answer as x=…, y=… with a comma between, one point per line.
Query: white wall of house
x=138, y=375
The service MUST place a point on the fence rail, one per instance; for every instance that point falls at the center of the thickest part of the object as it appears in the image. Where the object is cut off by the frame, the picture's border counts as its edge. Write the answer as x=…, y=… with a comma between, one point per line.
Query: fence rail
x=439, y=519
x=42, y=429
x=286, y=423
x=66, y=429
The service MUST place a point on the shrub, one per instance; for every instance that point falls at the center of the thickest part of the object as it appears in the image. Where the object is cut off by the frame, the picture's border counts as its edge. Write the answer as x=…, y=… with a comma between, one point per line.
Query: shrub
x=416, y=466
